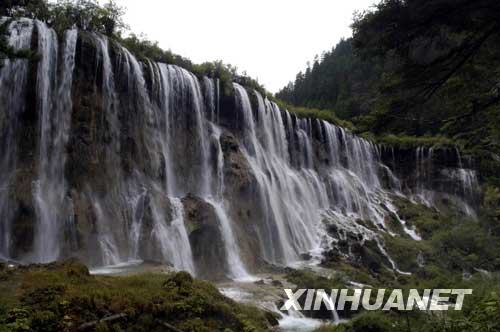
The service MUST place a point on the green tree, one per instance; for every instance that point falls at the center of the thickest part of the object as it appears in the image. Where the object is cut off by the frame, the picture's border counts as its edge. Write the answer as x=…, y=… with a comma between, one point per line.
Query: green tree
x=439, y=50
x=87, y=15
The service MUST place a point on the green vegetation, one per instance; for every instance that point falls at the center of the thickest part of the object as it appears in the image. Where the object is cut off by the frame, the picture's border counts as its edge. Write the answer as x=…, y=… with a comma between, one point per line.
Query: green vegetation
x=480, y=316
x=456, y=252
x=338, y=80
x=6, y=51
x=414, y=141
x=410, y=71
x=144, y=49
x=423, y=73
x=415, y=72
x=309, y=279
x=87, y=15
x=437, y=51
x=304, y=112
x=63, y=296
x=107, y=19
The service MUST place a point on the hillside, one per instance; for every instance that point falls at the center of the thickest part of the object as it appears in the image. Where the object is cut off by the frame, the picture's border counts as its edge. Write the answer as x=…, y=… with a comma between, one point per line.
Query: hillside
x=410, y=72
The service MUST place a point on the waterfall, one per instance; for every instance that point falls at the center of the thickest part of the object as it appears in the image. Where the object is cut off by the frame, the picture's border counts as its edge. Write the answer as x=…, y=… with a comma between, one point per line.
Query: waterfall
x=109, y=250
x=423, y=175
x=54, y=105
x=456, y=182
x=295, y=192
x=184, y=113
x=282, y=189
x=139, y=206
x=13, y=78
x=123, y=143
x=236, y=267
x=173, y=238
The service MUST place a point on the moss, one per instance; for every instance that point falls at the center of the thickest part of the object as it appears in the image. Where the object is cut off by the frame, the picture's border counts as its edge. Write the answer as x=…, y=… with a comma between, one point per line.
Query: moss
x=491, y=208
x=405, y=251
x=55, y=296
x=479, y=313
x=371, y=322
x=425, y=219
x=8, y=52
x=404, y=141
x=309, y=279
x=394, y=225
x=304, y=112
x=356, y=273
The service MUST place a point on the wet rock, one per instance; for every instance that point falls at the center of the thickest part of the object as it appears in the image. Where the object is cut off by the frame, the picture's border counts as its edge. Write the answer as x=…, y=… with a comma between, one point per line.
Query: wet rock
x=272, y=318
x=23, y=229
x=245, y=208
x=206, y=240
x=236, y=167
x=369, y=255
x=305, y=256
x=277, y=283
x=331, y=257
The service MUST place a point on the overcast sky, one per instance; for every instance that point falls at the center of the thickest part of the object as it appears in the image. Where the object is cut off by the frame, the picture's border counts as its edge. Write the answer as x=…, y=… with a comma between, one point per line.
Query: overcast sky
x=269, y=39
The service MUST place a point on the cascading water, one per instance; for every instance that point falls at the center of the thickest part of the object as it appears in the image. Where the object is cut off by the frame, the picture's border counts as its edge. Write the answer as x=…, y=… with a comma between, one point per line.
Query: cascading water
x=54, y=105
x=13, y=78
x=124, y=144
x=456, y=183
x=282, y=189
x=177, y=83
x=236, y=267
x=423, y=175
x=173, y=238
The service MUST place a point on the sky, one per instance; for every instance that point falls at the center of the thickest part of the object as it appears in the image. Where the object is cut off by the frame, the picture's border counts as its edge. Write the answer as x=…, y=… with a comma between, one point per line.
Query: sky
x=271, y=40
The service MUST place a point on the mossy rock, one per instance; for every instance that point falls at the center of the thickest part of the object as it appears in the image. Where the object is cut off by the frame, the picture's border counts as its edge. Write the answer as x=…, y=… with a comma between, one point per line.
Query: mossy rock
x=62, y=296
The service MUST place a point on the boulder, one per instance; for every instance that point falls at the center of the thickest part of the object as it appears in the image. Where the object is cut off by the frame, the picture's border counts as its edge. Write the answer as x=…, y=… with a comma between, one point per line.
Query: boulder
x=207, y=244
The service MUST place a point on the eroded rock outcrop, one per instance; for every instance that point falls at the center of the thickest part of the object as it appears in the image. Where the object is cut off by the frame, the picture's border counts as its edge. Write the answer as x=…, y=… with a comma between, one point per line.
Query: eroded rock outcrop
x=207, y=244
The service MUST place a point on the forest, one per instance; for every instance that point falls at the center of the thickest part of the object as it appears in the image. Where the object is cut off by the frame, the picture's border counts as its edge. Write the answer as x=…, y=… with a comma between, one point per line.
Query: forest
x=414, y=68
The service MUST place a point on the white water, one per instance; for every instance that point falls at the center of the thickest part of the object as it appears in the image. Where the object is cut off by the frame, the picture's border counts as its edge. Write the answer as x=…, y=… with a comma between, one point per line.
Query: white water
x=13, y=77
x=459, y=184
x=236, y=267
x=55, y=105
x=156, y=136
x=265, y=297
x=282, y=189
x=173, y=238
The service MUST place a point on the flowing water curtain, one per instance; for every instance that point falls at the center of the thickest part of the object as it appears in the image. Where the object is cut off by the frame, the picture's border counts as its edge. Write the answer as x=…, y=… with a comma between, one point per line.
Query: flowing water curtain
x=158, y=136
x=288, y=201
x=295, y=194
x=456, y=182
x=13, y=79
x=54, y=103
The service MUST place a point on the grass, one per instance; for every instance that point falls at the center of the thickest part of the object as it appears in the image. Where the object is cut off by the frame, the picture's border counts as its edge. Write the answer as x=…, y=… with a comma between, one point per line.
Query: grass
x=62, y=296
x=405, y=141
x=304, y=112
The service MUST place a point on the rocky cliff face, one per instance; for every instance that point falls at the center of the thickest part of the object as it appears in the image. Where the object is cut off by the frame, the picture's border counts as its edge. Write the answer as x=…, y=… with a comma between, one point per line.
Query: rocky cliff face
x=112, y=159
x=434, y=176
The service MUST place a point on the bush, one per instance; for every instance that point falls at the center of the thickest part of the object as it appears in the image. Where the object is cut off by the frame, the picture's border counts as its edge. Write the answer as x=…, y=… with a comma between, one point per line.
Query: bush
x=54, y=296
x=304, y=112
x=371, y=322
x=87, y=15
